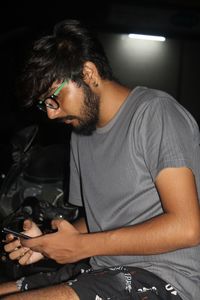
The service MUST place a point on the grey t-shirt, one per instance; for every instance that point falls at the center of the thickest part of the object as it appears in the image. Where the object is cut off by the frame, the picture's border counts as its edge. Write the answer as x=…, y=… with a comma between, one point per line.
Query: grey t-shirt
x=113, y=173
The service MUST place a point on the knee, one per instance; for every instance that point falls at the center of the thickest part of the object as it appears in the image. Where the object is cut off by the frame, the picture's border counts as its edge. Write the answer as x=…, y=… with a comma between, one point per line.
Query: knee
x=70, y=294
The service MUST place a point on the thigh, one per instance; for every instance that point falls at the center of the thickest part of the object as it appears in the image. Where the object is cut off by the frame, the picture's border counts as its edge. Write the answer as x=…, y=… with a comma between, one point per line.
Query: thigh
x=60, y=291
x=121, y=283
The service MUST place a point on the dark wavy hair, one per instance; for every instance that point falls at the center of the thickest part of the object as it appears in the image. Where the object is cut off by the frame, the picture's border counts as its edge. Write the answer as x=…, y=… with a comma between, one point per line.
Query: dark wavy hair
x=61, y=56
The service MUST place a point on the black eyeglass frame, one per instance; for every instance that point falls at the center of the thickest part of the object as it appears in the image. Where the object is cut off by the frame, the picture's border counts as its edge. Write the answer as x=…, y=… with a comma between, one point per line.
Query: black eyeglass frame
x=42, y=105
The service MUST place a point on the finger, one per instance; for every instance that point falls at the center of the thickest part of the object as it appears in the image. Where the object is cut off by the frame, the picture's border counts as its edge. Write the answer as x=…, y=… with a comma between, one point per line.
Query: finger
x=30, y=257
x=18, y=253
x=26, y=258
x=12, y=245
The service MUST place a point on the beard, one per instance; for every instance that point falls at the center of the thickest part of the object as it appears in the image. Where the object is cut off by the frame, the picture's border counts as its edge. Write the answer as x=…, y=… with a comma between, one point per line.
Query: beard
x=89, y=112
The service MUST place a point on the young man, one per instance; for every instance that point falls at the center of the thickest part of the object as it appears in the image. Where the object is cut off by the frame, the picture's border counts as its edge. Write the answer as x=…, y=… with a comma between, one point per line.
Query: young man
x=135, y=167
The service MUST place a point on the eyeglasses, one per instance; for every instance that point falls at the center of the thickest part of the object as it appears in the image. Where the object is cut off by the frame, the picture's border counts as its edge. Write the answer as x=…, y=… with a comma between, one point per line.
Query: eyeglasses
x=50, y=101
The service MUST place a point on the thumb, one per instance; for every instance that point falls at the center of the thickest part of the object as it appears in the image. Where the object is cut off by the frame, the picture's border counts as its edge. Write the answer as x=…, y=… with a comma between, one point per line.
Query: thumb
x=60, y=224
x=31, y=228
x=27, y=224
x=55, y=224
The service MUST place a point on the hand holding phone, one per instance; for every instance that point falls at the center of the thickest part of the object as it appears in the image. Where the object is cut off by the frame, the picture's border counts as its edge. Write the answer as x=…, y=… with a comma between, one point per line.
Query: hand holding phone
x=15, y=233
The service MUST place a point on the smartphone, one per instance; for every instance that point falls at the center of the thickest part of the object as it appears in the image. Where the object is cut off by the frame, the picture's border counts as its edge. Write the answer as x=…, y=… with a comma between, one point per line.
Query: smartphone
x=15, y=233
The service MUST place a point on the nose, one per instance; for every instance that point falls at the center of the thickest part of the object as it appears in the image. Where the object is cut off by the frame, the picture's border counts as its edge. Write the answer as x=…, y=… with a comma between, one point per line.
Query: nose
x=52, y=113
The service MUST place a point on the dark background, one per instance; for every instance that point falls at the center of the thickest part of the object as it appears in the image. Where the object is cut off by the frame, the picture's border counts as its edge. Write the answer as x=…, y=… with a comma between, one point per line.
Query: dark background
x=176, y=70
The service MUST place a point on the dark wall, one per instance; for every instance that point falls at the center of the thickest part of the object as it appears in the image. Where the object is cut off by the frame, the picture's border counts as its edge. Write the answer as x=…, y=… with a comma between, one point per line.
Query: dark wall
x=172, y=66
x=190, y=78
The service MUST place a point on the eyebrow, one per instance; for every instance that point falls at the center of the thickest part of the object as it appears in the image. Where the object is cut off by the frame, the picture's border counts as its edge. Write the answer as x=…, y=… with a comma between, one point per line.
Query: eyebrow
x=53, y=90
x=50, y=92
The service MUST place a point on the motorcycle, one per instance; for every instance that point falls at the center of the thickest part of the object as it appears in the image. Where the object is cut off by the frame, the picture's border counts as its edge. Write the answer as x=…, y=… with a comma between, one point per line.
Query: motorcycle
x=35, y=187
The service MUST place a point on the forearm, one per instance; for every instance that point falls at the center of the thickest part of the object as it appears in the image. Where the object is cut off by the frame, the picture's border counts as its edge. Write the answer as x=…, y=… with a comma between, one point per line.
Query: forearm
x=159, y=235
x=8, y=288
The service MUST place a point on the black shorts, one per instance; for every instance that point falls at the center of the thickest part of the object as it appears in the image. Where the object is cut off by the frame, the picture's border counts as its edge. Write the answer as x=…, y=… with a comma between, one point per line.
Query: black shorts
x=121, y=283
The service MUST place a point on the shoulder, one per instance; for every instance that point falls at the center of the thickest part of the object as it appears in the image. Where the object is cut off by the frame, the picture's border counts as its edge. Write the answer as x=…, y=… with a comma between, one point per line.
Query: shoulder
x=158, y=102
x=146, y=103
x=152, y=97
x=147, y=98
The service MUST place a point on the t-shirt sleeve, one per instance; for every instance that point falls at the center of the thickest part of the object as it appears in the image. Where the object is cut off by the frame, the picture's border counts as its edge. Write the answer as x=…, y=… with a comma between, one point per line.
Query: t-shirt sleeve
x=75, y=197
x=166, y=135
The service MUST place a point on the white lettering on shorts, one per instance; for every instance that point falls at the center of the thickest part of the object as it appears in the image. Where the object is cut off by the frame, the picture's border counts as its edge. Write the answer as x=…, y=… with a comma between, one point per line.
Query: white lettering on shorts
x=171, y=289
x=128, y=279
x=145, y=289
x=98, y=298
x=70, y=282
x=118, y=268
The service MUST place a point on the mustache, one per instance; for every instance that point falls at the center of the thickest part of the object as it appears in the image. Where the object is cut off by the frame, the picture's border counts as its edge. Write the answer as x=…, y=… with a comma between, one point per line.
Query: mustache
x=68, y=118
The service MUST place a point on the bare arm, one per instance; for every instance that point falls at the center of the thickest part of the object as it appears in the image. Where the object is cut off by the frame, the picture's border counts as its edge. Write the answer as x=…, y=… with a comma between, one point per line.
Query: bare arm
x=178, y=227
x=8, y=288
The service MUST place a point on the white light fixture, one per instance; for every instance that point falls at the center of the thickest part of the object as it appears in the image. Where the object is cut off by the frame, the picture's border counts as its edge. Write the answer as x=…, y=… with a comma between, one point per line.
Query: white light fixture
x=147, y=37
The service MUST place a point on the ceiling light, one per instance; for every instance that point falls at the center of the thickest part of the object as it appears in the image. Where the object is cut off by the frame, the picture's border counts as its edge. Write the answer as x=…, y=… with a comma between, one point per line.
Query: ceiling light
x=147, y=37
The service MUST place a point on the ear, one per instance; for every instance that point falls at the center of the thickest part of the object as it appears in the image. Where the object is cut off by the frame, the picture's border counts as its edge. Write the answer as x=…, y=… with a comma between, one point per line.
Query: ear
x=91, y=75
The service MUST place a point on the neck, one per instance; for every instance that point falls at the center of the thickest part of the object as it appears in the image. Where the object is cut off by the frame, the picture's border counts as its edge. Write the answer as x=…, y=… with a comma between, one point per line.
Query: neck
x=112, y=96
